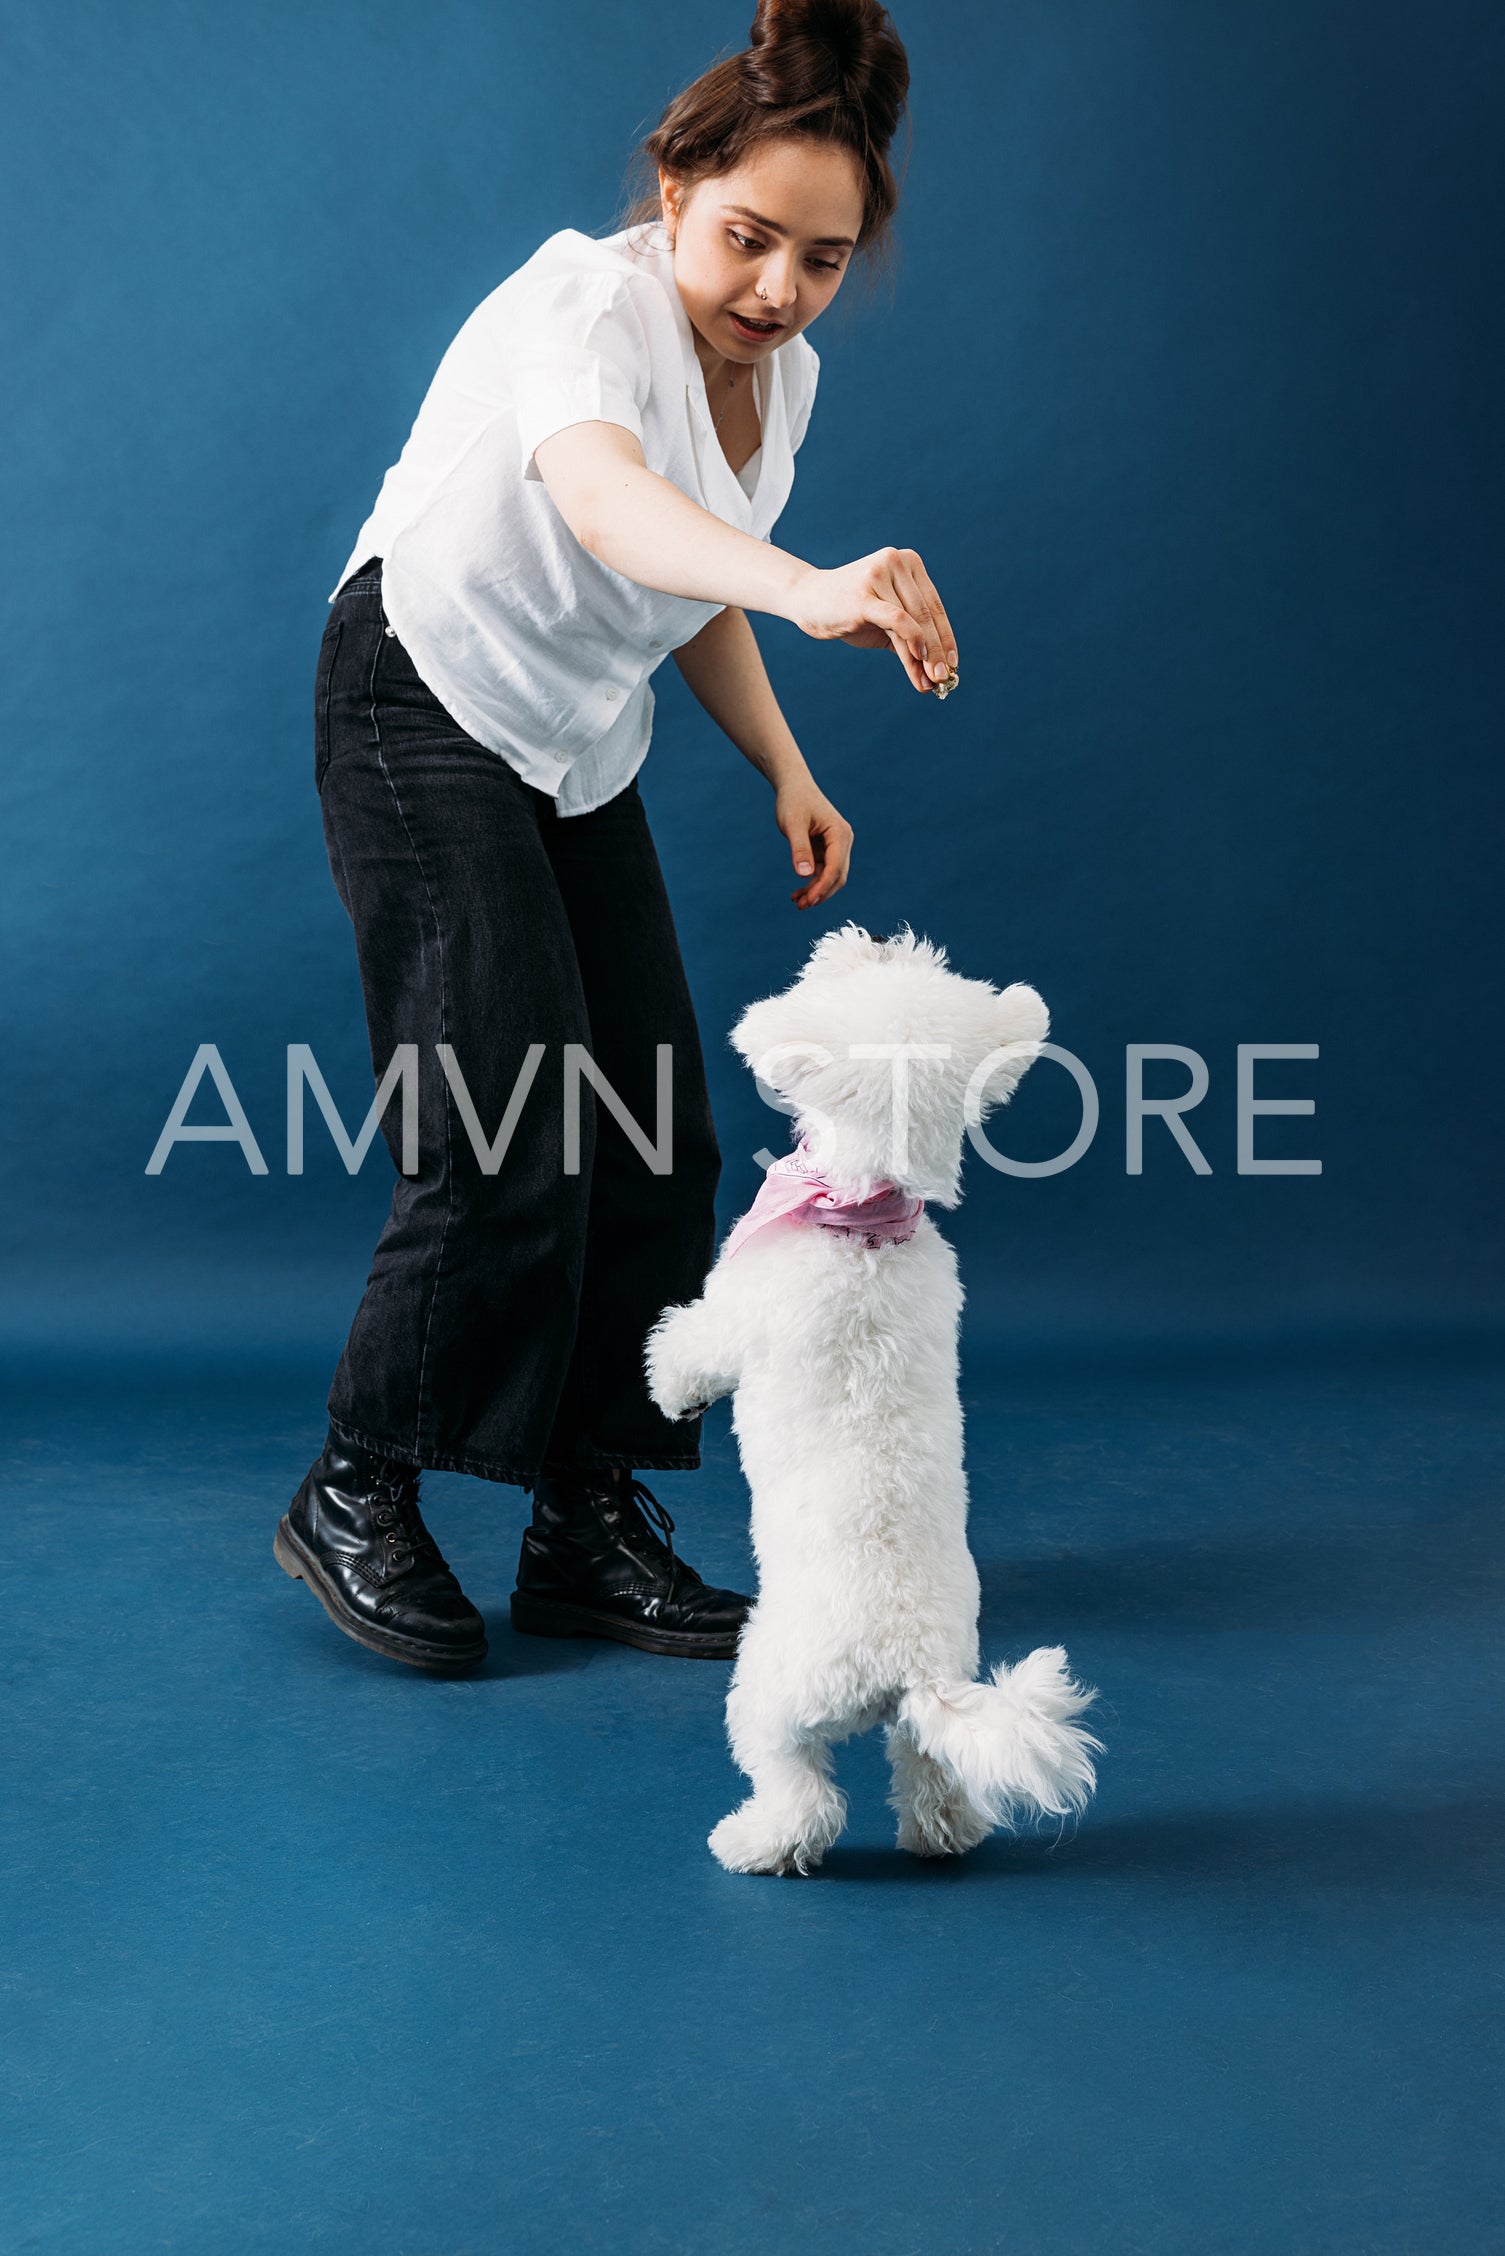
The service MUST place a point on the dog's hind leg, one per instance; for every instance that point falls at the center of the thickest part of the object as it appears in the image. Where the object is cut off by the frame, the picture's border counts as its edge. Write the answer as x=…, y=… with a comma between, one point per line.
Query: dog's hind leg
x=790, y=1819
x=936, y=1818
x=795, y=1810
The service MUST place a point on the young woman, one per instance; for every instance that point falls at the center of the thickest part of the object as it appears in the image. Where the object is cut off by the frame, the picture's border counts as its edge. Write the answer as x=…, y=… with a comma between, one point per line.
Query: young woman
x=590, y=484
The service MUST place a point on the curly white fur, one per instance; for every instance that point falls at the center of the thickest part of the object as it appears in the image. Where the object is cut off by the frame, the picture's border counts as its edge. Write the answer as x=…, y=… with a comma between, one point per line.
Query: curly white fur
x=843, y=1361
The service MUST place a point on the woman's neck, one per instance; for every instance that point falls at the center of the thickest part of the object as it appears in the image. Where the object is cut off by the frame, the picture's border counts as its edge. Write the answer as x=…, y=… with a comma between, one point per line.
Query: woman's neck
x=714, y=366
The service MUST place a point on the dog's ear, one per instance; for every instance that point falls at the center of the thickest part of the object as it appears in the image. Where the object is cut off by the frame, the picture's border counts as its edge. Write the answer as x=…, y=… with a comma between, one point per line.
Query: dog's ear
x=1017, y=1022
x=1020, y=1015
x=777, y=1037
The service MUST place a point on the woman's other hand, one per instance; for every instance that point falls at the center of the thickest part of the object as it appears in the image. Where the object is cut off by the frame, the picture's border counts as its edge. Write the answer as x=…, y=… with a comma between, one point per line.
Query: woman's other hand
x=887, y=597
x=820, y=840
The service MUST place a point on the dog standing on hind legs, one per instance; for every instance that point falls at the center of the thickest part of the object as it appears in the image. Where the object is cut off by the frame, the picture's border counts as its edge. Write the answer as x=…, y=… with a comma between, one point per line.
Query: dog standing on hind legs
x=832, y=1317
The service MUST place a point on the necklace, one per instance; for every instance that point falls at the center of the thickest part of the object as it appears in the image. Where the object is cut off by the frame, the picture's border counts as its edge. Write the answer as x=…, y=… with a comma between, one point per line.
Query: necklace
x=730, y=385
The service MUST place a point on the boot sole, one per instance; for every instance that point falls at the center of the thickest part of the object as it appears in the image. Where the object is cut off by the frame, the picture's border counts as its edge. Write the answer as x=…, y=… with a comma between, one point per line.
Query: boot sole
x=294, y=1558
x=544, y=1617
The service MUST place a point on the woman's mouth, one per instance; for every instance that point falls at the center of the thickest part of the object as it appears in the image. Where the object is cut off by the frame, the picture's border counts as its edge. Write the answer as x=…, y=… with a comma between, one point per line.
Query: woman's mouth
x=753, y=330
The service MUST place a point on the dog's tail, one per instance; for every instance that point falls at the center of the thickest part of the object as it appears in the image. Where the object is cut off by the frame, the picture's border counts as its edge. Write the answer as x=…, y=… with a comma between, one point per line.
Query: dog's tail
x=1012, y=1743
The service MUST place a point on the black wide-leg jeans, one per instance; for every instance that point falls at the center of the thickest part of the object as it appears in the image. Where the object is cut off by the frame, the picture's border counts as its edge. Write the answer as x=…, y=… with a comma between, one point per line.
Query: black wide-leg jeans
x=503, y=1323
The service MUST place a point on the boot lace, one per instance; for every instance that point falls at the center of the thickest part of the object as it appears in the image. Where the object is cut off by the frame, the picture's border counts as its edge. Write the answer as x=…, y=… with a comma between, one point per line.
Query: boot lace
x=637, y=1497
x=395, y=1492
x=644, y=1515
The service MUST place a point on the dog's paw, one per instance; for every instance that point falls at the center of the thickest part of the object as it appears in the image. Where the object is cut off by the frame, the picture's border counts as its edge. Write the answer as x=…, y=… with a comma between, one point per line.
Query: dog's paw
x=744, y=1843
x=923, y=1841
x=675, y=1395
x=677, y=1406
x=671, y=1363
x=691, y=1398
x=944, y=1831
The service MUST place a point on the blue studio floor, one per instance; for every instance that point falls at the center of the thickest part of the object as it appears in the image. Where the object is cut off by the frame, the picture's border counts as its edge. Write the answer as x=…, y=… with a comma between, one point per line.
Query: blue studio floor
x=306, y=1951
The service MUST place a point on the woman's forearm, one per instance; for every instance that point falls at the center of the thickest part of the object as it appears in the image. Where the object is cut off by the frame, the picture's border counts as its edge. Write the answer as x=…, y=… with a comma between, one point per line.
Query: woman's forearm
x=642, y=526
x=646, y=529
x=724, y=668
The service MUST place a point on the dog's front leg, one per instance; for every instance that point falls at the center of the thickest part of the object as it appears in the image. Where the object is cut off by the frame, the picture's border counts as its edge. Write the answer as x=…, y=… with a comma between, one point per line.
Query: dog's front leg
x=690, y=1359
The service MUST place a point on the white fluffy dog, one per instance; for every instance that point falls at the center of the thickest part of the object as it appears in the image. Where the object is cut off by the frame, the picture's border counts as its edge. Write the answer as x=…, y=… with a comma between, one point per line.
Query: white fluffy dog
x=836, y=1327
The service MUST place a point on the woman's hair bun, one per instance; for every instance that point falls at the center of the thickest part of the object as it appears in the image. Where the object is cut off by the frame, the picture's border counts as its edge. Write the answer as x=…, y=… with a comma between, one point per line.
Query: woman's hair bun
x=861, y=49
x=842, y=24
x=832, y=71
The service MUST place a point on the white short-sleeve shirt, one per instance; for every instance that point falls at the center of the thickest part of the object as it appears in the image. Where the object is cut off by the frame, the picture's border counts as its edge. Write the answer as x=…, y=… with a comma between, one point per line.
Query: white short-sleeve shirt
x=539, y=650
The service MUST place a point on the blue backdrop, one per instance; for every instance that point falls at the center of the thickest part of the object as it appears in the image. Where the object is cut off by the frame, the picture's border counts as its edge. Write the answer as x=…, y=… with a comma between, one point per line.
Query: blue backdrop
x=1188, y=396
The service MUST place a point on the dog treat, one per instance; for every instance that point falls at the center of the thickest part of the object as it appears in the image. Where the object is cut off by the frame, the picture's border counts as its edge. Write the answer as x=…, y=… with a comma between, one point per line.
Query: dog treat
x=944, y=688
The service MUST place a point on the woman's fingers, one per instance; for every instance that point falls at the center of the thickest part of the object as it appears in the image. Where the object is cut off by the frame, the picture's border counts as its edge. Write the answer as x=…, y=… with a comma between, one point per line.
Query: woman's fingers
x=831, y=842
x=906, y=633
x=917, y=592
x=920, y=631
x=904, y=651
x=889, y=596
x=810, y=827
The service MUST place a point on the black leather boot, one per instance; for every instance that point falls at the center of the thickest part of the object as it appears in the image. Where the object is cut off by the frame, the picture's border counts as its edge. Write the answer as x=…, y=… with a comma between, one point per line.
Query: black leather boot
x=599, y=1561
x=355, y=1535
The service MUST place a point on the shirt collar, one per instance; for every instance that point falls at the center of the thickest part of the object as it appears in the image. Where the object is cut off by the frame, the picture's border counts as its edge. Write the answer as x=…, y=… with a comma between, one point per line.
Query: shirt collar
x=650, y=248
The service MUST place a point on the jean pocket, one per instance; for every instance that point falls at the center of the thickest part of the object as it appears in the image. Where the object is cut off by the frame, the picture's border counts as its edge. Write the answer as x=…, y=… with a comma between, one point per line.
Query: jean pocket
x=323, y=689
x=395, y=668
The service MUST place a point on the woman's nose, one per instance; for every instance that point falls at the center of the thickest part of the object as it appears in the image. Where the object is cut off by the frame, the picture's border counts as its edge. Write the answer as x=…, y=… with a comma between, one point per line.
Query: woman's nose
x=776, y=284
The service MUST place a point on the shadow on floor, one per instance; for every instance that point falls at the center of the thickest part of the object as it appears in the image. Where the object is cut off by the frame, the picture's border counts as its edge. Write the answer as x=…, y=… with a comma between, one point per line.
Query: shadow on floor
x=1450, y=1851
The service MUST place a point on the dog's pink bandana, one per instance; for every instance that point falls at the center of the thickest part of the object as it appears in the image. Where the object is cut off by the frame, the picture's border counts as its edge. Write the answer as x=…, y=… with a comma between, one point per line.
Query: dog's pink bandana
x=794, y=1189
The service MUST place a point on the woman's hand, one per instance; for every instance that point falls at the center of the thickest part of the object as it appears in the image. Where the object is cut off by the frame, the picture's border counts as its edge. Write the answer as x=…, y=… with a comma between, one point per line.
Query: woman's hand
x=883, y=598
x=820, y=839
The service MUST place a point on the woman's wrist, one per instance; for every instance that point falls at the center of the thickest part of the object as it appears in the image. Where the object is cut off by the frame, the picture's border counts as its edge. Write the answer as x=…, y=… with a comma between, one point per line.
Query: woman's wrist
x=766, y=740
x=724, y=670
x=789, y=574
x=784, y=764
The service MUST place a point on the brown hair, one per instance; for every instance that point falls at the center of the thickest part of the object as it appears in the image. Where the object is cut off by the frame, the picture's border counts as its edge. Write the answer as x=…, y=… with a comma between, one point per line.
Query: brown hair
x=827, y=70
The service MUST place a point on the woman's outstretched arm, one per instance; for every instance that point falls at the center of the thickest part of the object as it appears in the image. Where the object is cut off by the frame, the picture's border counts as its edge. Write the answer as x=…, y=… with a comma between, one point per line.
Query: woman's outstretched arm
x=724, y=667
x=645, y=528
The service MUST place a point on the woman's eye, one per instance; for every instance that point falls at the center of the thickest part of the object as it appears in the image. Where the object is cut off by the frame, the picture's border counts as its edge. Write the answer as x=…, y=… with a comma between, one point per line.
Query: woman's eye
x=749, y=243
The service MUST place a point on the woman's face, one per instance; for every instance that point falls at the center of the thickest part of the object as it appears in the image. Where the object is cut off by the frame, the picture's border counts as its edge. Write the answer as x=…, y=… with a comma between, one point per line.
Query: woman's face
x=770, y=241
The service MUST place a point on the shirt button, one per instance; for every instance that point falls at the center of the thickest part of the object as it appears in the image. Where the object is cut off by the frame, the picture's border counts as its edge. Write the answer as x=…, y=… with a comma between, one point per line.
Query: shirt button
x=390, y=630
x=655, y=646
x=611, y=696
